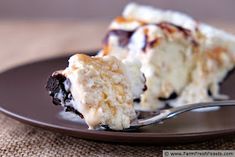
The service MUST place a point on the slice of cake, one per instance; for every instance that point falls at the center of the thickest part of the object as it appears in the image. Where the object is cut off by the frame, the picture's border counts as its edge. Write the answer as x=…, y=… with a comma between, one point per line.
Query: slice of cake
x=101, y=90
x=183, y=60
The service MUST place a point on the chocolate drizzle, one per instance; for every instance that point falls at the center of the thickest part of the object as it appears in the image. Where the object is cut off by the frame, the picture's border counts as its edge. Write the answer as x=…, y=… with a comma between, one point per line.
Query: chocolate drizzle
x=145, y=40
x=173, y=95
x=149, y=44
x=186, y=32
x=145, y=86
x=169, y=27
x=153, y=42
x=71, y=109
x=123, y=36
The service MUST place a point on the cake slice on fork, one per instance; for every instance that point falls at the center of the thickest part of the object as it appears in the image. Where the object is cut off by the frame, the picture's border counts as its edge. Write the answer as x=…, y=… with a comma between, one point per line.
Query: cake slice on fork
x=101, y=90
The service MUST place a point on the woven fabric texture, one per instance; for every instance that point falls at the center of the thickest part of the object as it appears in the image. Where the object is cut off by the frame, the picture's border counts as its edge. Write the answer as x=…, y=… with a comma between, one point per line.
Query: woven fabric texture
x=18, y=139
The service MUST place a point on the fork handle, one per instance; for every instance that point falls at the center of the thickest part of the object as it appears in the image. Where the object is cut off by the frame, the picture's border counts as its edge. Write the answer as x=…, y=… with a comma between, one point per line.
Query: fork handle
x=181, y=109
x=168, y=113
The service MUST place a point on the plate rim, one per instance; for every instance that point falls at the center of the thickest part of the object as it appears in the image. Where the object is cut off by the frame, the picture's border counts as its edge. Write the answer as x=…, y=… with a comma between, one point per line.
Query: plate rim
x=109, y=134
x=112, y=133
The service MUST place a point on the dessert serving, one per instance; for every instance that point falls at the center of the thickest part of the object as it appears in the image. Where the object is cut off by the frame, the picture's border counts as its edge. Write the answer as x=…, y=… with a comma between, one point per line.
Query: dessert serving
x=181, y=60
x=99, y=89
x=184, y=61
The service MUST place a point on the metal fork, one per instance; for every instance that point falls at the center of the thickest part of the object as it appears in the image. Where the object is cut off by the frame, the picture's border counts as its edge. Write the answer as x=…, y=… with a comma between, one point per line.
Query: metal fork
x=170, y=113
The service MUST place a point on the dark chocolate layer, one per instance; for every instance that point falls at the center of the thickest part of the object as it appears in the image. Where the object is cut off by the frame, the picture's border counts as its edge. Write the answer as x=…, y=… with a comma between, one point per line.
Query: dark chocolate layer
x=60, y=95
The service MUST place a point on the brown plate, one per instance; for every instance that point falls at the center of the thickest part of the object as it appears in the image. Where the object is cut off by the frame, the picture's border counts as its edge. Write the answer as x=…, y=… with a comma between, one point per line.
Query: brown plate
x=23, y=97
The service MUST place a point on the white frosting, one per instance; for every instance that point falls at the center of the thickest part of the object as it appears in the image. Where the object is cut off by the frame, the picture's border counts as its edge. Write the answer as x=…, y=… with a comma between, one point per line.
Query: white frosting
x=135, y=76
x=189, y=65
x=149, y=14
x=125, y=26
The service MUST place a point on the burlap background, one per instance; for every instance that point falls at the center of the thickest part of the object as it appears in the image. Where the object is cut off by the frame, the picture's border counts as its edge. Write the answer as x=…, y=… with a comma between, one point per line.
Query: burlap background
x=17, y=139
x=26, y=41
